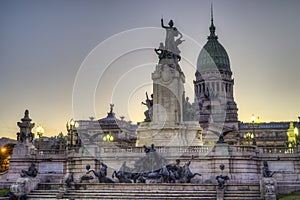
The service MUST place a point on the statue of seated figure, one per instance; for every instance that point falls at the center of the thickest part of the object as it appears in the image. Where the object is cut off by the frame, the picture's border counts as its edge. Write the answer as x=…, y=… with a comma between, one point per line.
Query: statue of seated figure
x=31, y=172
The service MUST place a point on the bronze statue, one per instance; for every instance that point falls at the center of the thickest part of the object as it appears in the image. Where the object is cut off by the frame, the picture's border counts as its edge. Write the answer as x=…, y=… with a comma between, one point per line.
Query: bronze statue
x=101, y=174
x=221, y=135
x=69, y=180
x=187, y=175
x=31, y=172
x=123, y=174
x=221, y=181
x=167, y=176
x=266, y=172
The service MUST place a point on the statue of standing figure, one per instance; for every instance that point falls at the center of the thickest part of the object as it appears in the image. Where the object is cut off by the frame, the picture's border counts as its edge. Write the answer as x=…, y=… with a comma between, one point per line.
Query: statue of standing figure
x=149, y=104
x=171, y=44
x=188, y=110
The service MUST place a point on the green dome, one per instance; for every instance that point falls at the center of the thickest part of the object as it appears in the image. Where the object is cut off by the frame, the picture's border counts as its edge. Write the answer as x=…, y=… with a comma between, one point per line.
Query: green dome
x=213, y=54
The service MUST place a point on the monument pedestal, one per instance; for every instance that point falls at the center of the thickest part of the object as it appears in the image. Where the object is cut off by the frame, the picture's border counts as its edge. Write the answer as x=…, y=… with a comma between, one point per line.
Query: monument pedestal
x=221, y=150
x=79, y=158
x=22, y=157
x=24, y=186
x=185, y=134
x=220, y=194
x=167, y=127
x=268, y=188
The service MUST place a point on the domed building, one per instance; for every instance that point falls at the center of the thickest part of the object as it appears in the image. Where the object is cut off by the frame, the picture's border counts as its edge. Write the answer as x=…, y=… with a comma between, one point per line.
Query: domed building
x=214, y=85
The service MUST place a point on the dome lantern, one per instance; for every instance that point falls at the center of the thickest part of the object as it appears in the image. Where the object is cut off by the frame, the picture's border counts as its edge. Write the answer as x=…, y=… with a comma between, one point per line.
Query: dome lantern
x=213, y=55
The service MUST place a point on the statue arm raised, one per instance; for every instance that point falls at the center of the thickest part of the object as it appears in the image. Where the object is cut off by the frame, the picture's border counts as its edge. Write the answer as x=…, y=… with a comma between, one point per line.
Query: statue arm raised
x=162, y=23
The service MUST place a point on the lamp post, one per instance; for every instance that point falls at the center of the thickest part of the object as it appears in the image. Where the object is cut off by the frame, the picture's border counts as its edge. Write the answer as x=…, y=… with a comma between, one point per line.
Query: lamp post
x=296, y=132
x=253, y=122
x=72, y=133
x=298, y=136
x=40, y=132
x=3, y=150
x=249, y=137
x=108, y=138
x=61, y=139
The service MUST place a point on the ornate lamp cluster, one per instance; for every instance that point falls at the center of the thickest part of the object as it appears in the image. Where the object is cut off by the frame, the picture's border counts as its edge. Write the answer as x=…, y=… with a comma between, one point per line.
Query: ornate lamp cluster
x=254, y=123
x=108, y=138
x=293, y=135
x=73, y=137
x=40, y=131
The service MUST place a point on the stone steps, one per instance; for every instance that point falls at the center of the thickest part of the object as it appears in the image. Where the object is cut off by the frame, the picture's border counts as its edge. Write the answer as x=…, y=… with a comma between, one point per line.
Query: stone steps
x=141, y=196
x=287, y=187
x=238, y=195
x=118, y=194
x=146, y=191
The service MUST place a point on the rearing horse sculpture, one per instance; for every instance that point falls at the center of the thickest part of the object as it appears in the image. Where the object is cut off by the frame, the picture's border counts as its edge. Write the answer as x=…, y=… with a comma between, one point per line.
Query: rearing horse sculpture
x=167, y=176
x=187, y=174
x=101, y=175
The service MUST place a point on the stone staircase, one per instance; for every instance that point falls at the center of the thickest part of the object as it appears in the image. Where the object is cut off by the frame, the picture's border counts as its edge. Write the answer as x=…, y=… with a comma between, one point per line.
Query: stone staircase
x=287, y=187
x=239, y=195
x=145, y=191
x=242, y=191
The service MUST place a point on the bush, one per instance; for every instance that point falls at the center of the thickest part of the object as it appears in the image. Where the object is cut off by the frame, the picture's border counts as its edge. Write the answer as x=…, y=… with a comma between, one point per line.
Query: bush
x=3, y=192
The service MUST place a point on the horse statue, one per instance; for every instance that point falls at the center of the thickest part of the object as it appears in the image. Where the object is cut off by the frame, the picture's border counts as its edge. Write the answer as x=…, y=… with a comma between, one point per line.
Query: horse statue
x=187, y=175
x=121, y=176
x=101, y=175
x=167, y=176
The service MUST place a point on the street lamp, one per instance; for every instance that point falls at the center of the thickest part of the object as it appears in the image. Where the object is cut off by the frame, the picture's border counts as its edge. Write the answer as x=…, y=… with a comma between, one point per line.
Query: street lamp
x=4, y=159
x=296, y=132
x=253, y=122
x=61, y=139
x=3, y=150
x=40, y=132
x=73, y=137
x=249, y=137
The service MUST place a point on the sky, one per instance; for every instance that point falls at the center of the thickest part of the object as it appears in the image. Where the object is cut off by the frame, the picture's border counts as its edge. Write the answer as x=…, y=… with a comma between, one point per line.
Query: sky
x=64, y=59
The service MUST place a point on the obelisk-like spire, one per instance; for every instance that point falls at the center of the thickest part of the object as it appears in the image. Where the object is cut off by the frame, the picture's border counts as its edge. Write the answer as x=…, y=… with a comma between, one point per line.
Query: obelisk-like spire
x=212, y=27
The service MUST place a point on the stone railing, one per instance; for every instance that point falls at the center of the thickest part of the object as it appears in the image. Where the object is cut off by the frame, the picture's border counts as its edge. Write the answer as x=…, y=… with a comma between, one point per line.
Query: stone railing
x=252, y=150
x=51, y=153
x=244, y=150
x=162, y=150
x=279, y=150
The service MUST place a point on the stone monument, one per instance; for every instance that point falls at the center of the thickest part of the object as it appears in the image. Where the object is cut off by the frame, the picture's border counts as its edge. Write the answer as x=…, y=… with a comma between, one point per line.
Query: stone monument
x=24, y=151
x=164, y=124
x=26, y=183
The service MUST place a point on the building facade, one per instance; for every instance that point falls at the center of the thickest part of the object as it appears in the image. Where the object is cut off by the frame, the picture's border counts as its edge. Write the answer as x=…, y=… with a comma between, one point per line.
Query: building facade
x=107, y=130
x=270, y=136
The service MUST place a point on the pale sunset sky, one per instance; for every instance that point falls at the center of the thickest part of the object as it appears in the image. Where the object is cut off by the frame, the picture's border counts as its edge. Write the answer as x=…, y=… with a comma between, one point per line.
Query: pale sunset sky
x=64, y=59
